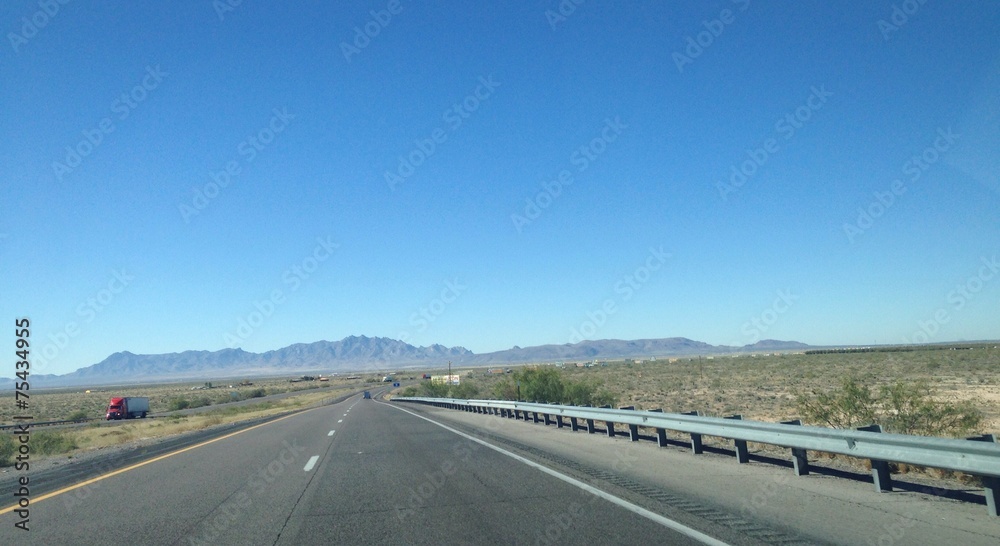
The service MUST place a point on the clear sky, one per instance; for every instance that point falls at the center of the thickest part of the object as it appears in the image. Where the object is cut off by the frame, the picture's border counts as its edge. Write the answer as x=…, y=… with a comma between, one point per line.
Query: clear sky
x=202, y=176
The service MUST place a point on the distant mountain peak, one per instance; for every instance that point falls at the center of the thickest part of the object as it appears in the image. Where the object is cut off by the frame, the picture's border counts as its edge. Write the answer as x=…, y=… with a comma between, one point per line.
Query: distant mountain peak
x=360, y=352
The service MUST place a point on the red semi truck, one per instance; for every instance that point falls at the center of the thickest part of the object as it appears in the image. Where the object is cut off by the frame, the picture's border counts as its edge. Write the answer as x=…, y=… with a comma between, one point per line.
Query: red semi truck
x=132, y=407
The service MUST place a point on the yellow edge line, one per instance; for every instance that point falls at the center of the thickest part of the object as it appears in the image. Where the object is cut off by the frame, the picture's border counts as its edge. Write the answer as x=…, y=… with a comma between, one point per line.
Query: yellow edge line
x=144, y=463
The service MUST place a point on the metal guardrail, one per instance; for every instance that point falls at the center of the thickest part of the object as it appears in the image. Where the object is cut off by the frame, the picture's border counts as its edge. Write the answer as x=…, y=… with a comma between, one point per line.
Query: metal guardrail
x=978, y=458
x=33, y=424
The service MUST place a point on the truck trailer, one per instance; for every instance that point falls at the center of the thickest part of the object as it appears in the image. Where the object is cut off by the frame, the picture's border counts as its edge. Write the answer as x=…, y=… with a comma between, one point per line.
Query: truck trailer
x=131, y=407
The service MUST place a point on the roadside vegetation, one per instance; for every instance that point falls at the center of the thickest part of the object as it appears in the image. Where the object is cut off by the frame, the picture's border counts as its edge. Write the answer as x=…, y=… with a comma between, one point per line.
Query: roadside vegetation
x=81, y=403
x=71, y=441
x=902, y=408
x=542, y=384
x=934, y=391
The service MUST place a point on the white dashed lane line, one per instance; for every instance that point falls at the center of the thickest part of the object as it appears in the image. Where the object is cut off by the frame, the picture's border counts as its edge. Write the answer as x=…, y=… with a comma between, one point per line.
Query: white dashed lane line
x=331, y=433
x=311, y=463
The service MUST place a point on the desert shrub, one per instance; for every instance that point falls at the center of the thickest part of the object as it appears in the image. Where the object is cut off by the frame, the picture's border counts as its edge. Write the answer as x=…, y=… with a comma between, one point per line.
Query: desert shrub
x=256, y=393
x=200, y=401
x=179, y=404
x=409, y=391
x=505, y=390
x=463, y=390
x=78, y=415
x=50, y=442
x=7, y=449
x=910, y=409
x=900, y=408
x=582, y=394
x=433, y=390
x=548, y=385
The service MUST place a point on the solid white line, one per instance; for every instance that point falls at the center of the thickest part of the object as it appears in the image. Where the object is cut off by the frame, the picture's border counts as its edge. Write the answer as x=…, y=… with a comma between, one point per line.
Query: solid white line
x=311, y=463
x=666, y=522
x=331, y=433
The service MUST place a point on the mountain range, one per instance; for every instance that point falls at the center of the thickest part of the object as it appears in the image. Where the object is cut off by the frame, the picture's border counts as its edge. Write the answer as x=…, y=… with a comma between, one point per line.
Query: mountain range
x=368, y=354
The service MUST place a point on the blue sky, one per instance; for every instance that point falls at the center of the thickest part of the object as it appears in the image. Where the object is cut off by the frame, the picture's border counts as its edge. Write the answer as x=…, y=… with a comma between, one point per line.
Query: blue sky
x=491, y=176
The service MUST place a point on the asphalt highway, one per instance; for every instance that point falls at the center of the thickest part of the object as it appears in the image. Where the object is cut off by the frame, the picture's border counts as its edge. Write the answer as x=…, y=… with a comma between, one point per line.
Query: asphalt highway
x=360, y=471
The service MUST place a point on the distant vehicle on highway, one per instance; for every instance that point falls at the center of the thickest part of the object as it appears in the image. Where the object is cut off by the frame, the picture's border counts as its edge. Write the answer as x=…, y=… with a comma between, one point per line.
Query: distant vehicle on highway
x=132, y=407
x=368, y=395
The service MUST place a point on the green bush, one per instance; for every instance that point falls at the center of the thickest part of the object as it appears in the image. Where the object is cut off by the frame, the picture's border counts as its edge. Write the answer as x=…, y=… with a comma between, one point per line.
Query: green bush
x=200, y=401
x=548, y=385
x=256, y=393
x=464, y=390
x=49, y=442
x=7, y=449
x=433, y=390
x=900, y=408
x=409, y=391
x=179, y=404
x=78, y=415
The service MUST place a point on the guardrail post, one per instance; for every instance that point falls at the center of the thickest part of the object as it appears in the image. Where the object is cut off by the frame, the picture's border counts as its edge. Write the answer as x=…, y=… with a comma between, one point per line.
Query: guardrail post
x=534, y=417
x=742, y=453
x=800, y=459
x=610, y=424
x=991, y=485
x=633, y=430
x=559, y=421
x=661, y=434
x=548, y=421
x=696, y=446
x=880, y=469
x=574, y=424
